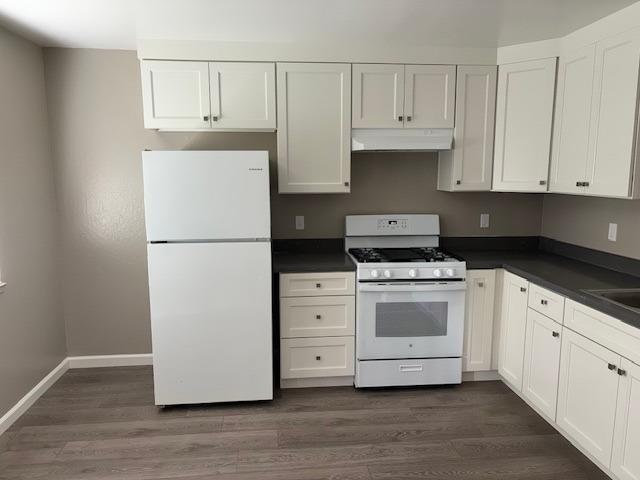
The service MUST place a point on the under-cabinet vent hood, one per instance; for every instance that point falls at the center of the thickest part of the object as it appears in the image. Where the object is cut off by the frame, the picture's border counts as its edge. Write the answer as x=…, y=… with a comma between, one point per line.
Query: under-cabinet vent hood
x=391, y=139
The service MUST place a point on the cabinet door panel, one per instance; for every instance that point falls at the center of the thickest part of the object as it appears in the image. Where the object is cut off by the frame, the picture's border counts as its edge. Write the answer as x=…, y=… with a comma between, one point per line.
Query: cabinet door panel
x=587, y=394
x=378, y=96
x=479, y=320
x=614, y=114
x=542, y=363
x=625, y=462
x=571, y=127
x=243, y=95
x=175, y=94
x=429, y=96
x=524, y=116
x=314, y=132
x=513, y=324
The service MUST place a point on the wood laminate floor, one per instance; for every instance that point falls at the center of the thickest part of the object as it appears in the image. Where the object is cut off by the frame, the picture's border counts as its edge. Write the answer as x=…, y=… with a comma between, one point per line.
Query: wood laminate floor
x=99, y=424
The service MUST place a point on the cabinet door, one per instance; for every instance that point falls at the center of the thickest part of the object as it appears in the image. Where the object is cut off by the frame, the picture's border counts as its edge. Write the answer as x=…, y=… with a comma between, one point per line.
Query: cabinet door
x=625, y=461
x=175, y=94
x=468, y=167
x=429, y=96
x=378, y=96
x=478, y=330
x=243, y=95
x=314, y=132
x=513, y=325
x=613, y=120
x=571, y=123
x=524, y=115
x=587, y=394
x=542, y=363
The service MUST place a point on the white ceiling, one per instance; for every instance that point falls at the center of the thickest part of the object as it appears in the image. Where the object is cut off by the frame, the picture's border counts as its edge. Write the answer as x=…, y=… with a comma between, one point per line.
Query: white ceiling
x=476, y=23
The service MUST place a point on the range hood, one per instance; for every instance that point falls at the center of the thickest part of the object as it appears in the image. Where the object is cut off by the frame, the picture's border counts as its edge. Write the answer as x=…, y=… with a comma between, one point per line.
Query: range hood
x=400, y=139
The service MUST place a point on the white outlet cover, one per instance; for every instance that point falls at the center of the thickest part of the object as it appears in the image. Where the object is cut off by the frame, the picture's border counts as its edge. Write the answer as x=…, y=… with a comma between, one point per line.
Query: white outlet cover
x=613, y=232
x=299, y=222
x=484, y=220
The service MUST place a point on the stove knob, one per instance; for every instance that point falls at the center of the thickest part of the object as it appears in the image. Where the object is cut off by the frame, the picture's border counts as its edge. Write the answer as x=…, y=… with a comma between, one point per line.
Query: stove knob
x=387, y=274
x=437, y=273
x=451, y=272
x=375, y=274
x=413, y=273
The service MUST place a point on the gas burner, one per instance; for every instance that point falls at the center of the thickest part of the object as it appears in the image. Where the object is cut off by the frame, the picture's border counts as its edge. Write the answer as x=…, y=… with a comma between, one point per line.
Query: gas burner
x=393, y=255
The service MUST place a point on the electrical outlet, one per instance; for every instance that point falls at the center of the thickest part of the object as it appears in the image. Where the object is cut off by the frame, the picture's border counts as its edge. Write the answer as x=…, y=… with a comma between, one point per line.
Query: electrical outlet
x=613, y=232
x=299, y=222
x=484, y=220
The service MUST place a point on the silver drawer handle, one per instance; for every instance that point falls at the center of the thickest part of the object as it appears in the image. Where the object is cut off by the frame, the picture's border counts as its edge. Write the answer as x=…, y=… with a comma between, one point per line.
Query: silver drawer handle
x=410, y=368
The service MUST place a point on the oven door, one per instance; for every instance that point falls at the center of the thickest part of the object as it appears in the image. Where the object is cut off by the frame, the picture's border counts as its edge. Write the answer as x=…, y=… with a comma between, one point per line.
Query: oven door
x=410, y=320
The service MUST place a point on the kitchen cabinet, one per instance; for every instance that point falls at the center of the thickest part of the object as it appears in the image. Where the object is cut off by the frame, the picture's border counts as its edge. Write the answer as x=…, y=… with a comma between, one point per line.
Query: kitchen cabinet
x=571, y=122
x=524, y=117
x=587, y=394
x=513, y=325
x=175, y=94
x=208, y=95
x=314, y=128
x=625, y=461
x=478, y=330
x=542, y=362
x=403, y=96
x=469, y=166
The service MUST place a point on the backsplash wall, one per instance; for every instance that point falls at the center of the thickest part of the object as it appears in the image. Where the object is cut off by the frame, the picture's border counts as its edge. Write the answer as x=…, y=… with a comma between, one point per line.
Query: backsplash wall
x=95, y=111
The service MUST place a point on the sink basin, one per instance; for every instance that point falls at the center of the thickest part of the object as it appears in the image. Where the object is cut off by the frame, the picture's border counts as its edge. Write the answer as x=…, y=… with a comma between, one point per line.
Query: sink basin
x=629, y=298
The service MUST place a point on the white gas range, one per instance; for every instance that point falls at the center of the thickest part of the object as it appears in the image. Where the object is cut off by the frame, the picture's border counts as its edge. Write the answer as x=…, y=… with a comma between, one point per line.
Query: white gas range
x=410, y=301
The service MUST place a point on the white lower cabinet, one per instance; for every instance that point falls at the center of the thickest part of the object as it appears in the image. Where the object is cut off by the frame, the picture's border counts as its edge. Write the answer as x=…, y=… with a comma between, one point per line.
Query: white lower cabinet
x=587, y=395
x=478, y=328
x=317, y=357
x=542, y=363
x=625, y=461
x=513, y=326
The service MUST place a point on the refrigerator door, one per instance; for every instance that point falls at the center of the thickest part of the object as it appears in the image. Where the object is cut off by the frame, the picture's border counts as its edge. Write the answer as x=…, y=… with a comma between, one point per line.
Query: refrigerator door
x=211, y=322
x=204, y=195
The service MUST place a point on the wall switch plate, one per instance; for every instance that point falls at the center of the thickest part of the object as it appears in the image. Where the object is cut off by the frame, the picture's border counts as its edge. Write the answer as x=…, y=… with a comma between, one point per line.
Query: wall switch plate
x=613, y=232
x=484, y=220
x=299, y=222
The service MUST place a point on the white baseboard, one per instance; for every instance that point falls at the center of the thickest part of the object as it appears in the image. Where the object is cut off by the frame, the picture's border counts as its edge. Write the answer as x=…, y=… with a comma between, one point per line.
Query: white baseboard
x=34, y=394
x=316, y=382
x=98, y=361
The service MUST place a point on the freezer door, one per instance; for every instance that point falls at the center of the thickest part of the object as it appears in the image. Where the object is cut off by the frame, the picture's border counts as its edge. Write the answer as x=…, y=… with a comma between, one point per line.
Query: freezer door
x=206, y=195
x=211, y=322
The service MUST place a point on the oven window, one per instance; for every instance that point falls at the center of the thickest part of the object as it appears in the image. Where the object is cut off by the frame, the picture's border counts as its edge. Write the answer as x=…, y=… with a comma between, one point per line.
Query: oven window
x=411, y=319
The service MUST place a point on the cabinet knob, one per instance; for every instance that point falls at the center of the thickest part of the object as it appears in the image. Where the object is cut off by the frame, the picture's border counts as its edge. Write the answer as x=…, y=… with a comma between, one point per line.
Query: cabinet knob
x=205, y=118
x=556, y=334
x=318, y=357
x=612, y=366
x=585, y=184
x=215, y=118
x=543, y=182
x=622, y=372
x=408, y=118
x=544, y=302
x=400, y=118
x=318, y=317
x=458, y=182
x=578, y=184
x=480, y=284
x=522, y=289
x=346, y=184
x=318, y=285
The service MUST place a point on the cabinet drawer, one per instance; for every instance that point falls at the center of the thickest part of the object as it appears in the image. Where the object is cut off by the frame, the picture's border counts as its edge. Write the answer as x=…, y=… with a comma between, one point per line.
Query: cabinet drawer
x=317, y=316
x=317, y=284
x=546, y=302
x=317, y=357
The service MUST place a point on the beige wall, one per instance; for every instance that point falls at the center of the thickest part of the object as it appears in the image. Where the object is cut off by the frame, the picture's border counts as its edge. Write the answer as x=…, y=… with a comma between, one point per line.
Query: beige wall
x=32, y=338
x=585, y=221
x=96, y=124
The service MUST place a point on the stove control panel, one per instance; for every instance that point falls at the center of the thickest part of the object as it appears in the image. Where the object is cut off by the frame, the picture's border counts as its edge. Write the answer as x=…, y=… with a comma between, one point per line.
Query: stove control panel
x=392, y=224
x=379, y=272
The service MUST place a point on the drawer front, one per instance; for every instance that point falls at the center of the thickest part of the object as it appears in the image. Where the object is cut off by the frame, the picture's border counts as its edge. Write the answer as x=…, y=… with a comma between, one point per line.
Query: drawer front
x=609, y=332
x=546, y=302
x=317, y=284
x=317, y=357
x=317, y=316
x=412, y=371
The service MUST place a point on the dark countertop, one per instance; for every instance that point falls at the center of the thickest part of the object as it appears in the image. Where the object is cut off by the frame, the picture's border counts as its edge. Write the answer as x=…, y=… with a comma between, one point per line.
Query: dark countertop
x=560, y=274
x=301, y=262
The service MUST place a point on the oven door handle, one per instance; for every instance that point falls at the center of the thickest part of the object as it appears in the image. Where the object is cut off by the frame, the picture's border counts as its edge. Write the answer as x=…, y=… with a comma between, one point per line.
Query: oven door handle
x=412, y=287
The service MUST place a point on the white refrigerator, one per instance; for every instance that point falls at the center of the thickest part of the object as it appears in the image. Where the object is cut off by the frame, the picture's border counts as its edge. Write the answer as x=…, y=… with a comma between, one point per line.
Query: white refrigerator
x=207, y=217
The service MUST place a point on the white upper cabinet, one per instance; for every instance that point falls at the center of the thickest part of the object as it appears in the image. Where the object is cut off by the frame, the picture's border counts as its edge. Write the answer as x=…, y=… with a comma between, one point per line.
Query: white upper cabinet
x=203, y=95
x=378, y=96
x=571, y=123
x=625, y=461
x=429, y=96
x=513, y=329
x=612, y=138
x=243, y=95
x=478, y=328
x=314, y=130
x=176, y=94
x=468, y=167
x=524, y=115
